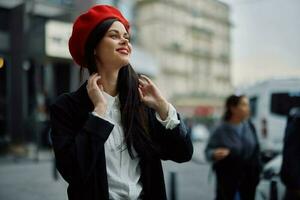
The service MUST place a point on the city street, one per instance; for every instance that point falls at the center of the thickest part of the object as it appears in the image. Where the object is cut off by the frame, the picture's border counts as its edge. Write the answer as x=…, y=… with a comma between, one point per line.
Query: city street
x=229, y=67
x=29, y=180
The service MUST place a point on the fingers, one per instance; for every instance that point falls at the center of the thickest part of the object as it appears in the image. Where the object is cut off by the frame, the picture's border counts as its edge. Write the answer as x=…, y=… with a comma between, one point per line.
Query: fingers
x=101, y=87
x=219, y=157
x=141, y=94
x=92, y=81
x=221, y=153
x=222, y=149
x=143, y=82
x=95, y=80
x=148, y=80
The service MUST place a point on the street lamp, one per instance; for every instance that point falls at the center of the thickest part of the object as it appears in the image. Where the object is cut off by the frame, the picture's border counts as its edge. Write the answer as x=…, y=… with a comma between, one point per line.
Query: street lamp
x=1, y=62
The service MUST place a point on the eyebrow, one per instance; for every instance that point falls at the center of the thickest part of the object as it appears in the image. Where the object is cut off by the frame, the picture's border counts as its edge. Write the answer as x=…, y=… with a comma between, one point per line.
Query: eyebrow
x=114, y=30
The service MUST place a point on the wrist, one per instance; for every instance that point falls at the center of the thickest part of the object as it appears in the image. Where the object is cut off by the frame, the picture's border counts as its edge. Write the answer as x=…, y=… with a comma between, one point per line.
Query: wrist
x=100, y=110
x=163, y=109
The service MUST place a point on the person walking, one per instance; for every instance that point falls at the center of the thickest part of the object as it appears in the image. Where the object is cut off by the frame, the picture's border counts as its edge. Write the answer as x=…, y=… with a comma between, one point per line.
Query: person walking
x=234, y=152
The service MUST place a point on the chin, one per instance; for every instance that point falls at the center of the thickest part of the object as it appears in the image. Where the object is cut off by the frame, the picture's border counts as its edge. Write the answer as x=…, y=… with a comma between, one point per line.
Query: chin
x=124, y=62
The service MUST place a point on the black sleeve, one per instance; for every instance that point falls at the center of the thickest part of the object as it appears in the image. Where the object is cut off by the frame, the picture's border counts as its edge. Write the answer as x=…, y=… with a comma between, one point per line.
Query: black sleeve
x=173, y=144
x=76, y=146
x=290, y=169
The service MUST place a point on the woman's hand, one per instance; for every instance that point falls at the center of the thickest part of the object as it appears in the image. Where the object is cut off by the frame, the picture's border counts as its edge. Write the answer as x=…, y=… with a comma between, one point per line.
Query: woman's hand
x=220, y=153
x=151, y=96
x=95, y=89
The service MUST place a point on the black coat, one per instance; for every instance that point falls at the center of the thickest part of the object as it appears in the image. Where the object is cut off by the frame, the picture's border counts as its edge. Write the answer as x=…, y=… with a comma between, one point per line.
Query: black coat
x=78, y=140
x=290, y=169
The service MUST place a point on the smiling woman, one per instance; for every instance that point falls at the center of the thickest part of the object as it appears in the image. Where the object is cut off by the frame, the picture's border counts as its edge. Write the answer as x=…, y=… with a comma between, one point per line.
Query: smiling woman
x=110, y=135
x=115, y=48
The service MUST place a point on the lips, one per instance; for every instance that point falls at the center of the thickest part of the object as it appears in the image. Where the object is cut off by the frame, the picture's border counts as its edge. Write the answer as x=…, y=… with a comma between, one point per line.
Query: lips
x=123, y=50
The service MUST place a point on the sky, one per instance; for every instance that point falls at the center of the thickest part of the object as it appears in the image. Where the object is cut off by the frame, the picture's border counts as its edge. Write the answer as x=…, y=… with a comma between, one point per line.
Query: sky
x=265, y=40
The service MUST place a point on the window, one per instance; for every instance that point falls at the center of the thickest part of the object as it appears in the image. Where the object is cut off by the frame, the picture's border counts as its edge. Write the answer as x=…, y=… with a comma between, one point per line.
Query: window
x=253, y=106
x=281, y=103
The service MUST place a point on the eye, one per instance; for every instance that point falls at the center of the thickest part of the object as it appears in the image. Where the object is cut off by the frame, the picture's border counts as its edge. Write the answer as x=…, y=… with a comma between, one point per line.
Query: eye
x=114, y=36
x=127, y=38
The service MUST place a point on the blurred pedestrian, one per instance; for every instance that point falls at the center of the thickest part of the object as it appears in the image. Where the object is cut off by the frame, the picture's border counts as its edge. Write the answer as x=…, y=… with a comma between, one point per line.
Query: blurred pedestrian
x=234, y=151
x=189, y=126
x=110, y=135
x=42, y=119
x=290, y=169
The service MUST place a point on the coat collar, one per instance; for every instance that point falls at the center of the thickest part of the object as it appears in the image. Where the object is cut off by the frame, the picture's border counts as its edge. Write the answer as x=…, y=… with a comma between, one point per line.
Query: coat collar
x=81, y=97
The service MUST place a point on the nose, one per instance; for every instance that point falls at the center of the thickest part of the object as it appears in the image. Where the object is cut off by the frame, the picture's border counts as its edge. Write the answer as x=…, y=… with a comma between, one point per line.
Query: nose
x=124, y=41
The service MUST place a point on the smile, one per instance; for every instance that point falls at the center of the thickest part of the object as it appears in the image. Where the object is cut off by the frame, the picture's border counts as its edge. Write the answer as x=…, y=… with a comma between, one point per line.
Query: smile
x=123, y=51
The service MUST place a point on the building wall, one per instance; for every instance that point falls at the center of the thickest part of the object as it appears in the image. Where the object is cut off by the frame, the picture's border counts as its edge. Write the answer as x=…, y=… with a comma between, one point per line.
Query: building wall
x=27, y=68
x=191, y=40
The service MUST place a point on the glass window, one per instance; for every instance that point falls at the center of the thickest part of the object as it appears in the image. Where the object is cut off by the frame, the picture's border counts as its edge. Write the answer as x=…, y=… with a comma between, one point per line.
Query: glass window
x=281, y=103
x=253, y=106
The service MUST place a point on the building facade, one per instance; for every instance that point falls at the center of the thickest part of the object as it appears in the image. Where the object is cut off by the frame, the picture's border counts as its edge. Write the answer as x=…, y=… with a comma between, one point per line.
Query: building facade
x=191, y=40
x=34, y=69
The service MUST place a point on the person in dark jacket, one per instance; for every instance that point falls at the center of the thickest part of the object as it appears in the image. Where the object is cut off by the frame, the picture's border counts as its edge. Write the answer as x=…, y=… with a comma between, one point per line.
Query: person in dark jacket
x=234, y=151
x=110, y=135
x=290, y=169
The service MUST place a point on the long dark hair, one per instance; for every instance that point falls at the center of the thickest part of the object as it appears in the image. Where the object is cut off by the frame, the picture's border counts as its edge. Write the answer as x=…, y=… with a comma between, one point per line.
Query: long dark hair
x=231, y=101
x=134, y=117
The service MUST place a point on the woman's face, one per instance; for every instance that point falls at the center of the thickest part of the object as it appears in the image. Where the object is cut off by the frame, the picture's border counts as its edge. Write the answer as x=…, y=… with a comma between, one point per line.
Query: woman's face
x=114, y=49
x=242, y=110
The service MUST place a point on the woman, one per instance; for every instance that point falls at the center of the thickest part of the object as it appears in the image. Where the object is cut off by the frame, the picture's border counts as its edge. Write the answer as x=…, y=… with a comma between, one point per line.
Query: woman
x=110, y=135
x=233, y=148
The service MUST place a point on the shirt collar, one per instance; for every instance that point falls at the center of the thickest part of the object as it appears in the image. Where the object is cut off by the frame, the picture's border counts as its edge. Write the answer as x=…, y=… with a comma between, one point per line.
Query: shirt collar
x=111, y=101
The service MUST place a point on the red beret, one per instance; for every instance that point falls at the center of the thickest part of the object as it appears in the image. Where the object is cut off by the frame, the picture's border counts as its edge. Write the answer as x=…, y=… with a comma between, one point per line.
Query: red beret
x=84, y=25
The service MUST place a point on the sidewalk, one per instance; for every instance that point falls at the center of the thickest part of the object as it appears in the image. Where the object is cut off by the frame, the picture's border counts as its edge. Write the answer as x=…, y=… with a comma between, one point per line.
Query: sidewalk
x=26, y=179
x=30, y=177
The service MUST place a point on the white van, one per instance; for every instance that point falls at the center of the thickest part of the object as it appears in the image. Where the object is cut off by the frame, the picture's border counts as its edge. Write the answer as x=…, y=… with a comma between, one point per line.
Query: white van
x=270, y=103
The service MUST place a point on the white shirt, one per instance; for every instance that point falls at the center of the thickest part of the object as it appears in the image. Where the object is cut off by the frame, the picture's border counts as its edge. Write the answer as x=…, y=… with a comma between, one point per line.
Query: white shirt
x=123, y=173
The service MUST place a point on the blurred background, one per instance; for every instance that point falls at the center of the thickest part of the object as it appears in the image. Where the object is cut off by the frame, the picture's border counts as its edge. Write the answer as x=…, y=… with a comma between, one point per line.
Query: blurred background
x=197, y=51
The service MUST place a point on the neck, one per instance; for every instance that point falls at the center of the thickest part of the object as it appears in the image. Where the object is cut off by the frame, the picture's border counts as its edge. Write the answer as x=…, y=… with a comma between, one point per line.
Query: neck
x=109, y=79
x=235, y=120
